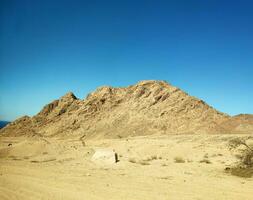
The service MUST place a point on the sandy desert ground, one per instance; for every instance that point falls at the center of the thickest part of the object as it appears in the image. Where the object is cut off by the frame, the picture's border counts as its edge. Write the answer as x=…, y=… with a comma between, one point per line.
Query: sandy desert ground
x=150, y=167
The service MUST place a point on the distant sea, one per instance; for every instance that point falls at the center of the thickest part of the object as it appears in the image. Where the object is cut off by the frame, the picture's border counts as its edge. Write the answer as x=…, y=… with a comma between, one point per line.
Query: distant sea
x=3, y=124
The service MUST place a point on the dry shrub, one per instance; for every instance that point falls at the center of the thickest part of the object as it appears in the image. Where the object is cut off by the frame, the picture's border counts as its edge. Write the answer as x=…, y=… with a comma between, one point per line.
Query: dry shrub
x=245, y=151
x=179, y=160
x=154, y=157
x=205, y=160
x=132, y=160
x=242, y=172
x=150, y=158
x=244, y=166
x=143, y=162
x=147, y=159
x=206, y=155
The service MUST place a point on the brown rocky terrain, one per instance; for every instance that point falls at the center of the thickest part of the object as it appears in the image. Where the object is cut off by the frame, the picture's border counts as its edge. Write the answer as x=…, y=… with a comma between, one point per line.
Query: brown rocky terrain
x=84, y=149
x=242, y=123
x=149, y=107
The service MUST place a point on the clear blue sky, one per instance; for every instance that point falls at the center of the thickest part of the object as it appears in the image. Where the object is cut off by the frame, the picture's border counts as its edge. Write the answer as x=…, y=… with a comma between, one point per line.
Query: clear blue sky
x=50, y=47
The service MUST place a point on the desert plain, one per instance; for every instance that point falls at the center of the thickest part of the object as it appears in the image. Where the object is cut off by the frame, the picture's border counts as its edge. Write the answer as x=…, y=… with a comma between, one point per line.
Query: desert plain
x=149, y=167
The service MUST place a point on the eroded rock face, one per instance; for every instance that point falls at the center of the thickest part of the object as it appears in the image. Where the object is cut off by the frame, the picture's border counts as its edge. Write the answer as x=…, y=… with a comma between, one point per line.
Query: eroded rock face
x=49, y=108
x=23, y=126
x=149, y=107
x=242, y=123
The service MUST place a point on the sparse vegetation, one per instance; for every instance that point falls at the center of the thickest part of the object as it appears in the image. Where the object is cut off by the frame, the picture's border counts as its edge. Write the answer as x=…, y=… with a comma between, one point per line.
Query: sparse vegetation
x=34, y=161
x=154, y=157
x=132, y=160
x=205, y=160
x=245, y=151
x=142, y=162
x=216, y=155
x=206, y=155
x=242, y=172
x=119, y=136
x=150, y=158
x=244, y=166
x=166, y=177
x=179, y=160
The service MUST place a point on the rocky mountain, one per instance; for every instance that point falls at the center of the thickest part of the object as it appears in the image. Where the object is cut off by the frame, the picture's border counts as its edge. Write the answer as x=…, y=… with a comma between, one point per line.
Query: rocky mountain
x=242, y=123
x=149, y=107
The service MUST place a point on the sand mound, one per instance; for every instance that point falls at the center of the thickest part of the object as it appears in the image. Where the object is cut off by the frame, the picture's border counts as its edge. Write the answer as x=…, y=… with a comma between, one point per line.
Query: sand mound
x=27, y=149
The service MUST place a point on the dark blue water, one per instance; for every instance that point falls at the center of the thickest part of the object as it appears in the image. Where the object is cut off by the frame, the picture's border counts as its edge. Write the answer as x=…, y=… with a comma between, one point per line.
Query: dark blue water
x=3, y=124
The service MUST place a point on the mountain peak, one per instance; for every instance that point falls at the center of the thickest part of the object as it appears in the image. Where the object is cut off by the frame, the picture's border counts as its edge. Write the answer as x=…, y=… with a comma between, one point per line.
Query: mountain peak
x=153, y=82
x=68, y=96
x=148, y=107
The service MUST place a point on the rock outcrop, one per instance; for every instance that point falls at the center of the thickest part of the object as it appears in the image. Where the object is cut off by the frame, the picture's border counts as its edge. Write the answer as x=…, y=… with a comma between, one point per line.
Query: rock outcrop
x=149, y=107
x=242, y=123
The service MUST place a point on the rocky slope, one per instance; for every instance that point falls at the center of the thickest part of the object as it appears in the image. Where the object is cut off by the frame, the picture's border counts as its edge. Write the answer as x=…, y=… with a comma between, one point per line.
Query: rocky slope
x=149, y=107
x=242, y=123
